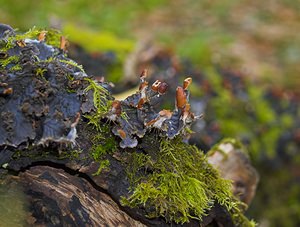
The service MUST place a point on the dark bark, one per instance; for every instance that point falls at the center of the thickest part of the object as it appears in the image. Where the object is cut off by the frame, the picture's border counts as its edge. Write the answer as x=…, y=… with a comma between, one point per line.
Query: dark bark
x=42, y=103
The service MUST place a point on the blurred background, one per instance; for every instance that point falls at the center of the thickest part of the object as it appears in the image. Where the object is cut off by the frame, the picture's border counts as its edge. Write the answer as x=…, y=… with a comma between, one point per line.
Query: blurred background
x=243, y=56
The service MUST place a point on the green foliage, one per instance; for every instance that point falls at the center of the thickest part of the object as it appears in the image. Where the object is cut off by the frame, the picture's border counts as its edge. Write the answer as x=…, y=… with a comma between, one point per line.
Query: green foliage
x=236, y=117
x=101, y=103
x=72, y=63
x=40, y=72
x=11, y=40
x=53, y=37
x=72, y=155
x=98, y=41
x=16, y=67
x=10, y=60
x=279, y=207
x=104, y=164
x=182, y=184
x=138, y=163
x=103, y=144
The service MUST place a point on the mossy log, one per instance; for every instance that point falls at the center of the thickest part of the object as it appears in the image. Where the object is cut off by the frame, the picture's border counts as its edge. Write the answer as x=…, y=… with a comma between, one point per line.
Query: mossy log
x=85, y=159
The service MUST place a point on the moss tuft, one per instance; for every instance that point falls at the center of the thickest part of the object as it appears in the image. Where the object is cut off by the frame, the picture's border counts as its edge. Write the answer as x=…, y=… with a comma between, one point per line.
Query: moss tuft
x=10, y=60
x=101, y=103
x=53, y=37
x=40, y=72
x=72, y=63
x=103, y=144
x=180, y=185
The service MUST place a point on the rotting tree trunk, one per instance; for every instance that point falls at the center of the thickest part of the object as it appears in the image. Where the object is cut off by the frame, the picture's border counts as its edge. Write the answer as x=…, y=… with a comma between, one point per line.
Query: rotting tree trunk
x=46, y=141
x=62, y=196
x=60, y=199
x=63, y=193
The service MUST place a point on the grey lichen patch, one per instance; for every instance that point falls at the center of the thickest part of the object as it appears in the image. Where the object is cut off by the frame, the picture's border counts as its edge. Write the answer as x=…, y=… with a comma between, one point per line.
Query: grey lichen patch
x=36, y=106
x=168, y=178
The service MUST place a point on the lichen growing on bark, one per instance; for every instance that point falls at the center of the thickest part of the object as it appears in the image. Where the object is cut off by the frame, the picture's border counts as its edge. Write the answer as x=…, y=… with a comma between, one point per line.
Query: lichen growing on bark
x=45, y=96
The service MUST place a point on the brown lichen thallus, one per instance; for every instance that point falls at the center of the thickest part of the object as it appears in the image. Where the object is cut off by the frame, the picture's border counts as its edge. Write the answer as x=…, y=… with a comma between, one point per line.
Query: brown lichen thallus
x=139, y=108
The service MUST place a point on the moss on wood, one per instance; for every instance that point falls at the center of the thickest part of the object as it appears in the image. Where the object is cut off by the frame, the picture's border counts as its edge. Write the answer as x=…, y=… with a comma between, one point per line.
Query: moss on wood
x=168, y=177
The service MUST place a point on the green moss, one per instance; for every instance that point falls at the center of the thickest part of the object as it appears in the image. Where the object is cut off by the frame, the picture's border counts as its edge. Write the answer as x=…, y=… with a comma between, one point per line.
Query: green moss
x=181, y=185
x=98, y=41
x=9, y=60
x=252, y=109
x=11, y=40
x=72, y=63
x=104, y=164
x=53, y=38
x=137, y=167
x=101, y=103
x=104, y=144
x=72, y=155
x=16, y=67
x=234, y=142
x=40, y=72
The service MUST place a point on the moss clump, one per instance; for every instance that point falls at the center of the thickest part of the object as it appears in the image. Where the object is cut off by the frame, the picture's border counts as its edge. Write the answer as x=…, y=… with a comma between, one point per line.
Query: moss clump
x=101, y=102
x=9, y=60
x=180, y=185
x=72, y=155
x=11, y=41
x=52, y=38
x=40, y=72
x=103, y=144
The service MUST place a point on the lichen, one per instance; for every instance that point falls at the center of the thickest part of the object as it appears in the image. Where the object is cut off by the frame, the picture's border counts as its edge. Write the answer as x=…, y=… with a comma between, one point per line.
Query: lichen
x=171, y=179
x=52, y=37
x=35, y=100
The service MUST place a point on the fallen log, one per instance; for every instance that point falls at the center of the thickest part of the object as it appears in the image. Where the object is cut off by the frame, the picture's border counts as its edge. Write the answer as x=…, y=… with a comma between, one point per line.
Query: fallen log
x=86, y=159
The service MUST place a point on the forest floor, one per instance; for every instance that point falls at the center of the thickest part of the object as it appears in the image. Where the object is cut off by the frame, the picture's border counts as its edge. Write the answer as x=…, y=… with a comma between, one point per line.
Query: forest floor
x=257, y=38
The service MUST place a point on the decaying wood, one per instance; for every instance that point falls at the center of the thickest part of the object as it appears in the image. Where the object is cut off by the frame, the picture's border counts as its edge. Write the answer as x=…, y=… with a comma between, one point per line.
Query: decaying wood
x=234, y=164
x=42, y=123
x=60, y=199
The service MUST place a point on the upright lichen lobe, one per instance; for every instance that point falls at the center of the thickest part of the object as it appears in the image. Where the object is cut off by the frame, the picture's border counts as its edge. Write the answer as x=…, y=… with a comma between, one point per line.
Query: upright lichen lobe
x=44, y=95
